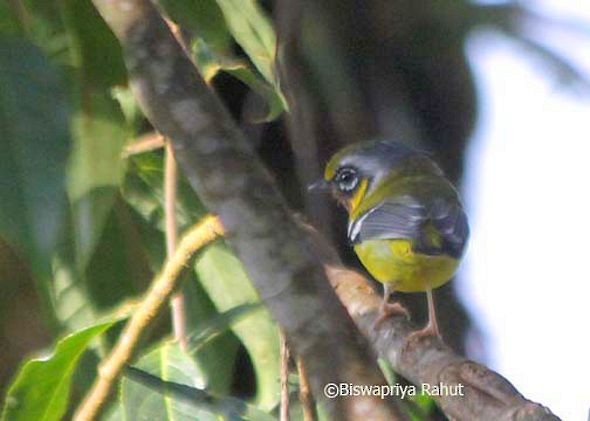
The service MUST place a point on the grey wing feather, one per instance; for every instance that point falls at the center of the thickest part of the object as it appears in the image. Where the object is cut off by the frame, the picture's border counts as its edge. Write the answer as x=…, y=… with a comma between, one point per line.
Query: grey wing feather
x=450, y=221
x=397, y=219
x=404, y=218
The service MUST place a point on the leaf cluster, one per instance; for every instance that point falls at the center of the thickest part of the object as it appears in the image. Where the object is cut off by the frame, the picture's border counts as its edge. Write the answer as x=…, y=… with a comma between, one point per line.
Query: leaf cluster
x=88, y=221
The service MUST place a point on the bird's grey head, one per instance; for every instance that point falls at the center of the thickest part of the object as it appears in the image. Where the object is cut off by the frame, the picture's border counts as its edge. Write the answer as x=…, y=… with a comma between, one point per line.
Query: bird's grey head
x=368, y=160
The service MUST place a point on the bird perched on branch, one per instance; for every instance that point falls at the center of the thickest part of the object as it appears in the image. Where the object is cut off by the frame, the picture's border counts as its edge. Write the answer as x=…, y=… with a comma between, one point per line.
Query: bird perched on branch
x=406, y=221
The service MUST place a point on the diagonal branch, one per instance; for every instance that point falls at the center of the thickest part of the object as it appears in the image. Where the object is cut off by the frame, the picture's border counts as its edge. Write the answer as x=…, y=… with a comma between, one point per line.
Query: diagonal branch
x=427, y=360
x=486, y=394
x=223, y=169
x=276, y=252
x=204, y=232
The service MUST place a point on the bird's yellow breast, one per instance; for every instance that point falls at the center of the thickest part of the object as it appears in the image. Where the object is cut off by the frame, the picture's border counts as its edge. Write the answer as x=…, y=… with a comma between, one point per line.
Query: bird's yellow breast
x=394, y=262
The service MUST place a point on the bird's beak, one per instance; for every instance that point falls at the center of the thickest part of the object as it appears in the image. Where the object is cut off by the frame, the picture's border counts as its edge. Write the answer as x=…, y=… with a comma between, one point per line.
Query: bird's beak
x=319, y=186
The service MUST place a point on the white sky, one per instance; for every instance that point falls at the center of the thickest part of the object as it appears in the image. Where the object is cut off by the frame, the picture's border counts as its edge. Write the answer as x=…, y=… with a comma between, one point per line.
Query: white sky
x=526, y=277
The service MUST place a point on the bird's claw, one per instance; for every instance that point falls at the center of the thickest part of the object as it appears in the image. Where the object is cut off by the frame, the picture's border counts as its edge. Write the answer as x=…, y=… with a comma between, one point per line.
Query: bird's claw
x=388, y=310
x=430, y=329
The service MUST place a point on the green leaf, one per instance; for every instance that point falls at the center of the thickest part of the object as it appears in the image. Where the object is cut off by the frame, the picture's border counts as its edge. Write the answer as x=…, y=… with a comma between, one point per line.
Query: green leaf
x=418, y=407
x=213, y=23
x=218, y=271
x=115, y=412
x=167, y=384
x=42, y=386
x=117, y=270
x=219, y=324
x=211, y=63
x=97, y=52
x=35, y=132
x=72, y=305
x=274, y=98
x=96, y=168
x=94, y=172
x=143, y=190
x=253, y=30
x=216, y=356
x=422, y=408
x=387, y=370
x=215, y=353
x=223, y=277
x=130, y=108
x=203, y=18
x=99, y=128
x=170, y=363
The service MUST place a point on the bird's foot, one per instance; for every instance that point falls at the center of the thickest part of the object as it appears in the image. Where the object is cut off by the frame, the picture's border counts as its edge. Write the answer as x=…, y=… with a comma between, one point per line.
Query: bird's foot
x=388, y=310
x=431, y=329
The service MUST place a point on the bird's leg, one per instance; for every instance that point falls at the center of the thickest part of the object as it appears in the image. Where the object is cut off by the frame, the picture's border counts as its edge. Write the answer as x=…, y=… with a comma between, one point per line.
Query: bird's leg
x=387, y=309
x=432, y=320
x=431, y=329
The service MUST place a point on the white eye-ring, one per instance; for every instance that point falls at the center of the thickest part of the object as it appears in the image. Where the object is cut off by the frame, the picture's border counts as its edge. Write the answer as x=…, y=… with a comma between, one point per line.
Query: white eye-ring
x=346, y=179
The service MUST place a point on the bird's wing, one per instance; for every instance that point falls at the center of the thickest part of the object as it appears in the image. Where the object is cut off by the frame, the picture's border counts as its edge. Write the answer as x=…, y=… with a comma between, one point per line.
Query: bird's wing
x=450, y=222
x=399, y=218
x=436, y=228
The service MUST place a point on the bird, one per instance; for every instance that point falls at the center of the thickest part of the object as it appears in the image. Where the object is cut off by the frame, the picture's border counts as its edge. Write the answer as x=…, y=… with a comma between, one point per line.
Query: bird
x=406, y=222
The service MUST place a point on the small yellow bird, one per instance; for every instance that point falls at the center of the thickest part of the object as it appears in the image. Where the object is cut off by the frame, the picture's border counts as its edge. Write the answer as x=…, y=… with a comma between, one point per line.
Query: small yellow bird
x=406, y=221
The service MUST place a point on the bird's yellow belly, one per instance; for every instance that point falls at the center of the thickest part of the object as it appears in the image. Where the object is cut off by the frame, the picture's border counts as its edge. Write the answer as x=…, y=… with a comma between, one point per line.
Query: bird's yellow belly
x=394, y=262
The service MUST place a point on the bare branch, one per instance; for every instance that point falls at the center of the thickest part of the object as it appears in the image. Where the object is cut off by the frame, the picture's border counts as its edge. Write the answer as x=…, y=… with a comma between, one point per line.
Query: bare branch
x=284, y=410
x=177, y=302
x=305, y=397
x=223, y=169
x=146, y=143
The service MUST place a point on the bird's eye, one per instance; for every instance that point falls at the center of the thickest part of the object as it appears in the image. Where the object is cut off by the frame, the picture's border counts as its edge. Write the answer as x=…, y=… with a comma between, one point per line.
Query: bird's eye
x=346, y=180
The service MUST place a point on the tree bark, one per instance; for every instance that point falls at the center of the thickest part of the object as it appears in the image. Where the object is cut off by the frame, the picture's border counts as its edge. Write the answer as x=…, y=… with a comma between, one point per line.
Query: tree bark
x=228, y=177
x=485, y=395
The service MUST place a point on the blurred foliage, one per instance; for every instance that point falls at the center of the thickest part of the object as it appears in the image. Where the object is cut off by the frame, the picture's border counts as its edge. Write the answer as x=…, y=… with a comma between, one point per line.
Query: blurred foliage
x=32, y=163
x=42, y=386
x=226, y=283
x=212, y=24
x=88, y=223
x=169, y=363
x=198, y=404
x=163, y=397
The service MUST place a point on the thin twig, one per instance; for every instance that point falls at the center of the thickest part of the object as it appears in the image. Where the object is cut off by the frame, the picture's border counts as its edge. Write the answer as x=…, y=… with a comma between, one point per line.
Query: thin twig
x=145, y=143
x=170, y=191
x=305, y=396
x=284, y=416
x=178, y=301
x=154, y=301
x=171, y=232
